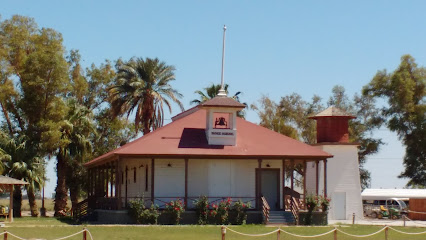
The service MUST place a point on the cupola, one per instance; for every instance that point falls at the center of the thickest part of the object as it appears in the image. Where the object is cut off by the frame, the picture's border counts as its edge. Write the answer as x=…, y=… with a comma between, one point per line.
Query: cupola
x=332, y=125
x=221, y=120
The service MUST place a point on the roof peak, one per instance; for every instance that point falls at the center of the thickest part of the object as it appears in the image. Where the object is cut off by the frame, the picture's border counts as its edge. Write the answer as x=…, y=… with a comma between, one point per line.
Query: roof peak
x=332, y=111
x=222, y=101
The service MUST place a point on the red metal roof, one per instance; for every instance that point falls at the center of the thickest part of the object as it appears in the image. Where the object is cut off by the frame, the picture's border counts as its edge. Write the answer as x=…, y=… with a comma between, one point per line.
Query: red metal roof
x=186, y=137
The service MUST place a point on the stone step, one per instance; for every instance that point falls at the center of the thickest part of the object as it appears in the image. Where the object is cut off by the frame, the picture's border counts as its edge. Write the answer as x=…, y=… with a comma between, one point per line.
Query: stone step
x=281, y=217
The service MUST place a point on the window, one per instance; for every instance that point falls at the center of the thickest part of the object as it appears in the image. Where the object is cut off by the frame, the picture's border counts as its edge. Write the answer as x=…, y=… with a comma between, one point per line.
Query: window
x=134, y=175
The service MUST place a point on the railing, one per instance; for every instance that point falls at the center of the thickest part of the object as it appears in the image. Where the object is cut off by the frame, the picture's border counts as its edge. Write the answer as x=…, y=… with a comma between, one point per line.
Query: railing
x=265, y=209
x=81, y=210
x=294, y=208
x=162, y=201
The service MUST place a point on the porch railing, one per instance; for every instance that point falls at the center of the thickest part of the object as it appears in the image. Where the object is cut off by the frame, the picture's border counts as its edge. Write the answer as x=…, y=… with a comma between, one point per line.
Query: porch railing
x=265, y=209
x=294, y=208
x=81, y=209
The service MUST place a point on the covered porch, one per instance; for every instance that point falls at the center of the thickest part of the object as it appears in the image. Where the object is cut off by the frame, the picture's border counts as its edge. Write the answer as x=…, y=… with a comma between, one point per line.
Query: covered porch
x=278, y=184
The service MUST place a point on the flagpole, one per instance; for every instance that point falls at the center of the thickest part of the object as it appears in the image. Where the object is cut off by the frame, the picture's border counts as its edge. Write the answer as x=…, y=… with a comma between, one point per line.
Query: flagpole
x=222, y=91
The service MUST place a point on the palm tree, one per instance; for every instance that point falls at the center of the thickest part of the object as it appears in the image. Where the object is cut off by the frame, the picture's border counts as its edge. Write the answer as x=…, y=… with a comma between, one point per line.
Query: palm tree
x=212, y=91
x=144, y=86
x=23, y=163
x=73, y=147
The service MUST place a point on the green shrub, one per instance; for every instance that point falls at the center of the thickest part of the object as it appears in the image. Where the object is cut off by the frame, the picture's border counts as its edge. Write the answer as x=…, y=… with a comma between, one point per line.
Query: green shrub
x=143, y=215
x=312, y=204
x=240, y=211
x=201, y=209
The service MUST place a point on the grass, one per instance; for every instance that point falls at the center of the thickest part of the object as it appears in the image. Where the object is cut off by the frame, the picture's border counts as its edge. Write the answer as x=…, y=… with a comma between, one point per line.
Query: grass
x=51, y=228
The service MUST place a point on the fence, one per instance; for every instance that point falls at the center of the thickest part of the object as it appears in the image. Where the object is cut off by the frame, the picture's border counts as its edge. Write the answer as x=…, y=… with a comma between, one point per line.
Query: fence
x=334, y=231
x=84, y=233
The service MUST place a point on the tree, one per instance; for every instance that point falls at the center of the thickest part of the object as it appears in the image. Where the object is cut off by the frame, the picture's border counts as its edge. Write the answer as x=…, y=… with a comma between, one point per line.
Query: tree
x=290, y=118
x=33, y=72
x=405, y=112
x=21, y=164
x=212, y=91
x=270, y=117
x=73, y=147
x=143, y=86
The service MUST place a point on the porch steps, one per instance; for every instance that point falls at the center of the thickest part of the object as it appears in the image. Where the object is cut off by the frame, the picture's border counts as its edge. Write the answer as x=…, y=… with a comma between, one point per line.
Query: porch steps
x=281, y=217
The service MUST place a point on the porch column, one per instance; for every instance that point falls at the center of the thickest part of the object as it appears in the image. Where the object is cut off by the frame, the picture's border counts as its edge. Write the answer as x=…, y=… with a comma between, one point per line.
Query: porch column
x=292, y=175
x=186, y=183
x=152, y=179
x=304, y=179
x=11, y=202
x=259, y=183
x=106, y=179
x=325, y=177
x=117, y=183
x=98, y=181
x=92, y=182
x=89, y=185
x=101, y=183
x=317, y=177
x=283, y=175
x=125, y=193
x=111, y=166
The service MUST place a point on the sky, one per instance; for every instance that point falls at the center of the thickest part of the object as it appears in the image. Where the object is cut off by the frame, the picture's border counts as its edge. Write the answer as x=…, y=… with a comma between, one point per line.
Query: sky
x=273, y=48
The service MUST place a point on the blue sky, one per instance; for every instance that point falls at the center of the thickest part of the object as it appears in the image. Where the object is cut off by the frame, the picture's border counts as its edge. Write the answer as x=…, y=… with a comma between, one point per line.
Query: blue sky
x=273, y=47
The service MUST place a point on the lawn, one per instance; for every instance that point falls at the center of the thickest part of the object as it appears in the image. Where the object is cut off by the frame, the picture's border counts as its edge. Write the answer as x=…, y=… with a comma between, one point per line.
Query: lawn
x=51, y=228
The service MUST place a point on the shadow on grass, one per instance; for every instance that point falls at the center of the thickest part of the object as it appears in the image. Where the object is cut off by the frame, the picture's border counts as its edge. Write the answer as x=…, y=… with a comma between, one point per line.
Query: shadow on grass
x=68, y=220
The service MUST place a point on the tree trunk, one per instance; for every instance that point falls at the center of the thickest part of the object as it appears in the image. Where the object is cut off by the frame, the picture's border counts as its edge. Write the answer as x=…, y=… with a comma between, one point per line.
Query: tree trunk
x=74, y=196
x=17, y=201
x=6, y=116
x=32, y=202
x=61, y=195
x=148, y=114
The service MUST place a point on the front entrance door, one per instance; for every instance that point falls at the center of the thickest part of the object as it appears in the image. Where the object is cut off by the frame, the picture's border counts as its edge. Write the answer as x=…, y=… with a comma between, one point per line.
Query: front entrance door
x=270, y=186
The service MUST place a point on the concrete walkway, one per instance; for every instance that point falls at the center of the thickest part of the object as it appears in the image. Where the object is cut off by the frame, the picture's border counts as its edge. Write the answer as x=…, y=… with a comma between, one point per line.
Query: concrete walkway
x=380, y=222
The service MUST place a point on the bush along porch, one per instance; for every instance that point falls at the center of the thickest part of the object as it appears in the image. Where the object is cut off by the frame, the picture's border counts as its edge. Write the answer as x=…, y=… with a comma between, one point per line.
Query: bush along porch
x=225, y=211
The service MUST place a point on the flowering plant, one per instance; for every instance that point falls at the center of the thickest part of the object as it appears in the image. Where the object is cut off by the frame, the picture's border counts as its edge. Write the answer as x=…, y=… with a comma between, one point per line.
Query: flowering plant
x=325, y=203
x=202, y=208
x=219, y=212
x=175, y=208
x=240, y=209
x=312, y=202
